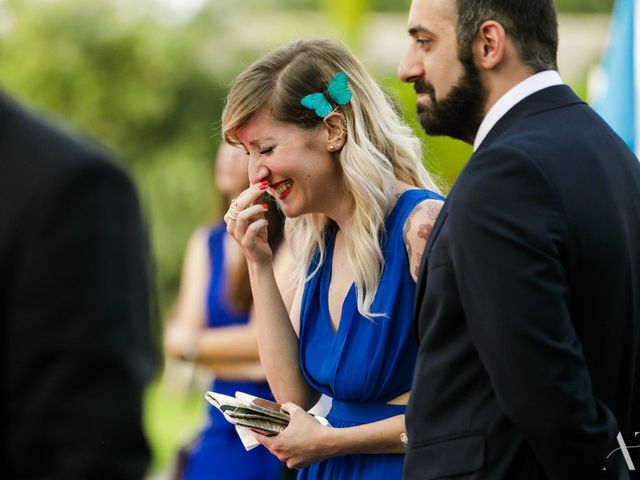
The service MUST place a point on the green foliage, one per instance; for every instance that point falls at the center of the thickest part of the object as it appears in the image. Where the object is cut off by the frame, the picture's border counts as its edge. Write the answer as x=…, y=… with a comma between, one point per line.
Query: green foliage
x=127, y=82
x=177, y=192
x=137, y=85
x=349, y=16
x=387, y=6
x=172, y=417
x=585, y=6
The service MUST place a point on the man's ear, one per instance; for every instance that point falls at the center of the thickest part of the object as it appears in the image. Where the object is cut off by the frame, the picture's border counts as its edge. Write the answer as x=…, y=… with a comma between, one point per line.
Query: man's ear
x=335, y=127
x=490, y=45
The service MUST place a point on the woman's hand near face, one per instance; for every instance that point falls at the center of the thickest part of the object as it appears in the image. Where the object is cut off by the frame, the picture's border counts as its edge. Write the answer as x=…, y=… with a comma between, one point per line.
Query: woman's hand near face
x=247, y=224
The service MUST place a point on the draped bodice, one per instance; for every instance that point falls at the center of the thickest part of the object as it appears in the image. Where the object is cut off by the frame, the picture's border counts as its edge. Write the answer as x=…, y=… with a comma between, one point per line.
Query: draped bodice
x=367, y=360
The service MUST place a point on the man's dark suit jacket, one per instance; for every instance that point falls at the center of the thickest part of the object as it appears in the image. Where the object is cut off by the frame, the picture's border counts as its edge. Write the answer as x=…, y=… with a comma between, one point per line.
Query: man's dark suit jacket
x=528, y=304
x=74, y=314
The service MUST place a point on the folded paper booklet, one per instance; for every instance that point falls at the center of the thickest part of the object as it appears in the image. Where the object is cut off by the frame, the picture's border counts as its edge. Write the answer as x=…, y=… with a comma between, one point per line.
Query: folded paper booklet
x=258, y=414
x=253, y=413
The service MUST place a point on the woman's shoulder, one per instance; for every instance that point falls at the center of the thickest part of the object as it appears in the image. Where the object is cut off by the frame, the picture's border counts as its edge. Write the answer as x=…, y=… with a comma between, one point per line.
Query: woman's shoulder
x=421, y=215
x=411, y=201
x=202, y=238
x=414, y=195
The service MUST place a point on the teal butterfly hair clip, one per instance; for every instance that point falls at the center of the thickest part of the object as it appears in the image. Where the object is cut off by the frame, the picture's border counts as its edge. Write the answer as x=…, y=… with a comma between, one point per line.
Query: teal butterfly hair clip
x=338, y=91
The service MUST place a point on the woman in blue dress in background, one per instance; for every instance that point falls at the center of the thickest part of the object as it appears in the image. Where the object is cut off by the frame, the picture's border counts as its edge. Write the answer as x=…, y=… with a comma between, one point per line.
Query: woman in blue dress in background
x=212, y=327
x=328, y=144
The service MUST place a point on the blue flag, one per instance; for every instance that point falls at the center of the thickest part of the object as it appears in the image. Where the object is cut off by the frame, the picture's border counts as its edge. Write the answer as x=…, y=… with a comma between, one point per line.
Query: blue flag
x=614, y=86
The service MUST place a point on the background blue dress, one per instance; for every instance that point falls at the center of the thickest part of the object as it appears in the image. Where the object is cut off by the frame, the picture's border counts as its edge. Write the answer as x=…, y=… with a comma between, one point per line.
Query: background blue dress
x=219, y=454
x=367, y=362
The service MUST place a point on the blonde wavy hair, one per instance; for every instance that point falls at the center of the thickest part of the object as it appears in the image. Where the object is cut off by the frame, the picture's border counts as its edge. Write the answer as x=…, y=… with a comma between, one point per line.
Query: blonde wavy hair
x=379, y=149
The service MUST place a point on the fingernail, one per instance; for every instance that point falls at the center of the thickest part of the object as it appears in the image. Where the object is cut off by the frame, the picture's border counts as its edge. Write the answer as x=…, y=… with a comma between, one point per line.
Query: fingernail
x=263, y=187
x=265, y=182
x=265, y=206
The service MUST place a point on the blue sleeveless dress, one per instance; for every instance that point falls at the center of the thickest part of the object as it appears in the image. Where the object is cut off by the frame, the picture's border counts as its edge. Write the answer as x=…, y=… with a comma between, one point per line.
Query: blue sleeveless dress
x=367, y=362
x=219, y=453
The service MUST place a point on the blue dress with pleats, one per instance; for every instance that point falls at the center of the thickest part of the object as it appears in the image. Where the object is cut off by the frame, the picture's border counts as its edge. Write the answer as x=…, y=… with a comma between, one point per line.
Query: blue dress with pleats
x=366, y=362
x=219, y=454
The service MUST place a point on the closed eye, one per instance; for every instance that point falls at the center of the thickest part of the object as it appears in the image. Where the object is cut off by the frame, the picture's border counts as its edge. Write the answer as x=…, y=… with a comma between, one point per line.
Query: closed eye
x=267, y=151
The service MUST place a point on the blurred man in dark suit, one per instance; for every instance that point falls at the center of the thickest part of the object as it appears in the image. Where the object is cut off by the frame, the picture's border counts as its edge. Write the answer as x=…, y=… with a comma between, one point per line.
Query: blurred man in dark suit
x=528, y=301
x=74, y=309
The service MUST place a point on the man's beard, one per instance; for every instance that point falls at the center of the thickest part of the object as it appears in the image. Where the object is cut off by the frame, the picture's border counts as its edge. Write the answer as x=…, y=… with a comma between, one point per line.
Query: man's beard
x=460, y=113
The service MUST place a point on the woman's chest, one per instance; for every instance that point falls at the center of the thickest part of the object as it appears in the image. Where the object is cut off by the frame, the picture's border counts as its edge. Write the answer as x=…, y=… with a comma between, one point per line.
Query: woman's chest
x=340, y=282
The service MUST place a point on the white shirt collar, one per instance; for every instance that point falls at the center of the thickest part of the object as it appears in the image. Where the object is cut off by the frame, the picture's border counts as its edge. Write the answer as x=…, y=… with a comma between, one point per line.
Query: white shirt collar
x=531, y=85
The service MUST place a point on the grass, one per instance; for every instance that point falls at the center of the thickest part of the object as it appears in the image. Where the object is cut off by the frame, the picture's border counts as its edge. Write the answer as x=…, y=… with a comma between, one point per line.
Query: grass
x=173, y=413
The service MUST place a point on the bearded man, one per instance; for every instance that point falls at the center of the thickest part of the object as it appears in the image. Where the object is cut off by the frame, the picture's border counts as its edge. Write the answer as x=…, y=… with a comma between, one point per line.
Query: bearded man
x=528, y=301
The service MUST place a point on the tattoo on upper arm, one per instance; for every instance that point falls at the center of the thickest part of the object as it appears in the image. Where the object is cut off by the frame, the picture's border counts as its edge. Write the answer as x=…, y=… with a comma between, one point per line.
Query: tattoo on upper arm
x=407, y=229
x=416, y=269
x=422, y=231
x=433, y=210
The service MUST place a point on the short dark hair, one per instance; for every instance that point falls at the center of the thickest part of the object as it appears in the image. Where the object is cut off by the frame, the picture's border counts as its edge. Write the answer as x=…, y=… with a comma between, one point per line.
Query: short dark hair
x=532, y=24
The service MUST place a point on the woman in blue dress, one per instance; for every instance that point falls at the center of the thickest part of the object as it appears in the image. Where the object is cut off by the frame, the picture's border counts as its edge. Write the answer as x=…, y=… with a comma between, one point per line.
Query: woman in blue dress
x=328, y=144
x=212, y=327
